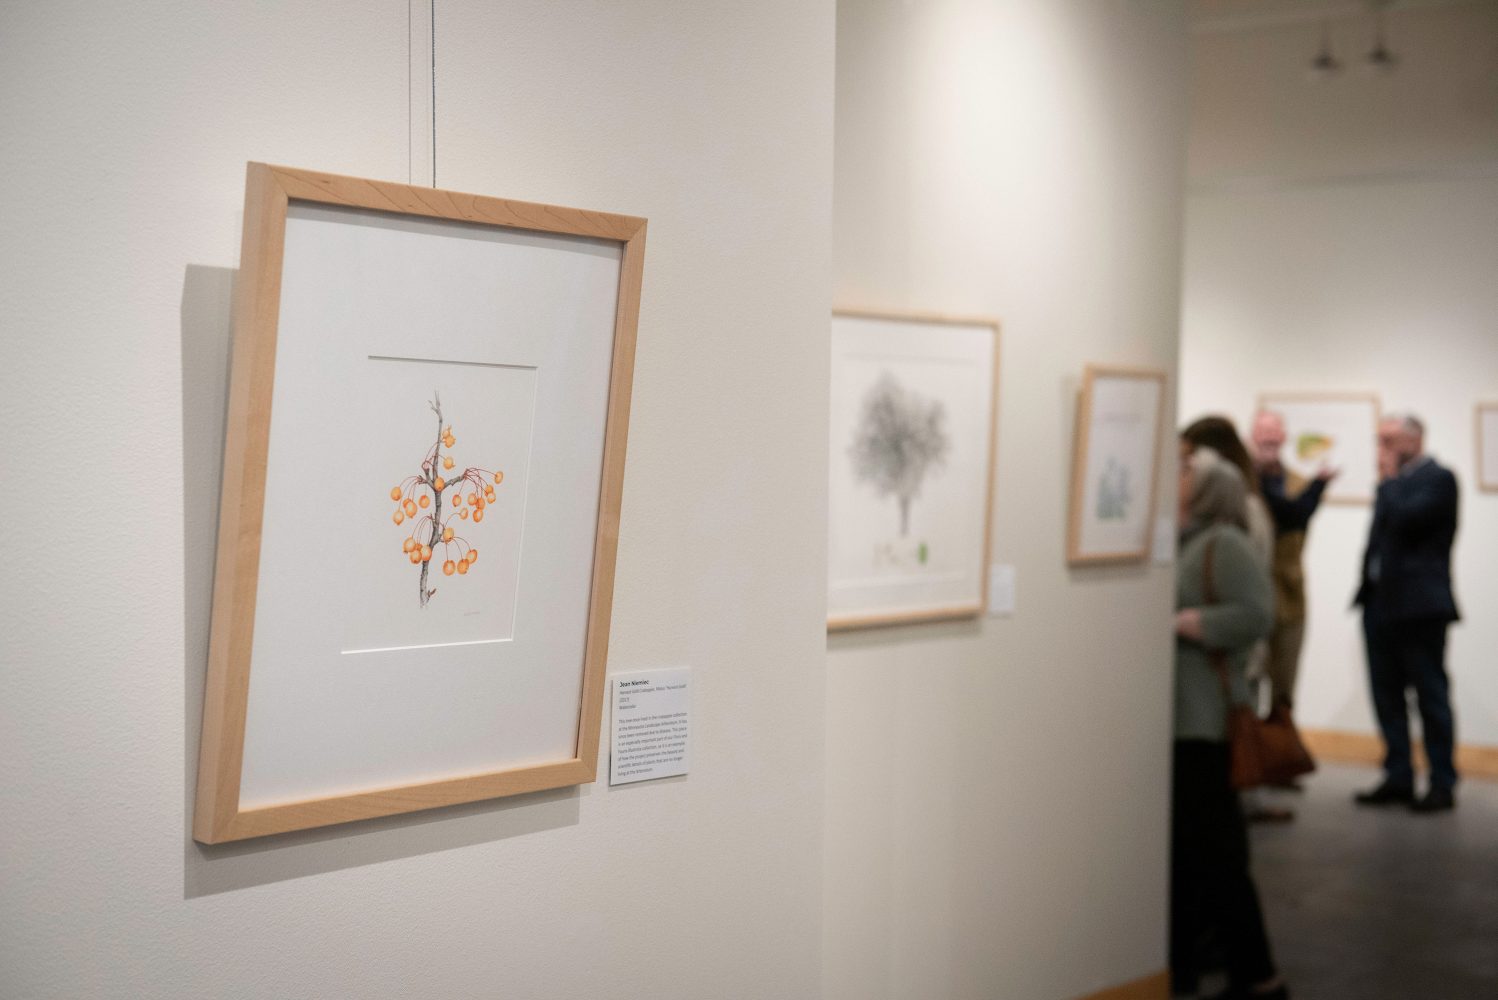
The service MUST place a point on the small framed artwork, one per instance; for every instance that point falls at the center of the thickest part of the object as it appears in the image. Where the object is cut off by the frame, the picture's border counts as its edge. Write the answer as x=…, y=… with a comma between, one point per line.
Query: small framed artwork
x=913, y=405
x=1115, y=465
x=1487, y=447
x=1330, y=431
x=423, y=465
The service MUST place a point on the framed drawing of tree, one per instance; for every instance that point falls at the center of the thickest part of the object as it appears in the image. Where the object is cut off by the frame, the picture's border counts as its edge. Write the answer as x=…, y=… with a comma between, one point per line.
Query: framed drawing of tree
x=913, y=405
x=1115, y=464
x=425, y=385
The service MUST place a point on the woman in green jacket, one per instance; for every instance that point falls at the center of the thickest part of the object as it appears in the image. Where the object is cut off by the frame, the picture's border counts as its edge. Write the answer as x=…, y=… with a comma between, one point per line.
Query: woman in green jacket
x=1224, y=604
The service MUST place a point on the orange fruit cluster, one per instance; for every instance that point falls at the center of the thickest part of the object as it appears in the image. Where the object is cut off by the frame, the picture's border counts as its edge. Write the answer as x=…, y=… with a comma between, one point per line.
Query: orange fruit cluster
x=418, y=493
x=408, y=501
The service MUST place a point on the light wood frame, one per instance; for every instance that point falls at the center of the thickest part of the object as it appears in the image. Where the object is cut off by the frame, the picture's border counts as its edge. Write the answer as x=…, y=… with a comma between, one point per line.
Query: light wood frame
x=1484, y=485
x=1080, y=445
x=1267, y=400
x=269, y=190
x=842, y=623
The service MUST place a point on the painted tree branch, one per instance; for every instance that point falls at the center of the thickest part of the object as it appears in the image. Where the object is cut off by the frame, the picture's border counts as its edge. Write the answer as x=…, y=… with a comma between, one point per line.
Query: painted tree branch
x=415, y=494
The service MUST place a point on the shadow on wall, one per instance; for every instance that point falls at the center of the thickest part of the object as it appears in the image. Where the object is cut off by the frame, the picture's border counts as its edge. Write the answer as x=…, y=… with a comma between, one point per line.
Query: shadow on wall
x=207, y=297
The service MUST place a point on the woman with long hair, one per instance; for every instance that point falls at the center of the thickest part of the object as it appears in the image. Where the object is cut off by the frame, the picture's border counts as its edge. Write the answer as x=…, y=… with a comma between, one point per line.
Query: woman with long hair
x=1224, y=605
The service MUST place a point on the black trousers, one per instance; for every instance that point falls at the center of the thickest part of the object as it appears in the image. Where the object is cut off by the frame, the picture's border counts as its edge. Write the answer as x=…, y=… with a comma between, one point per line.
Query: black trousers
x=1402, y=655
x=1210, y=884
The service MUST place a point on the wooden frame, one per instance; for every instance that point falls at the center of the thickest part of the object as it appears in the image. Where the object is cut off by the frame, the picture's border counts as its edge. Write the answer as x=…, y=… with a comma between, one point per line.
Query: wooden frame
x=1077, y=552
x=844, y=622
x=270, y=191
x=1487, y=477
x=1275, y=400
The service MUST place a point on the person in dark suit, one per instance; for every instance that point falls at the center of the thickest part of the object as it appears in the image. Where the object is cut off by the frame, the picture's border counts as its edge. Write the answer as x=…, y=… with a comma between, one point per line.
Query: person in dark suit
x=1407, y=605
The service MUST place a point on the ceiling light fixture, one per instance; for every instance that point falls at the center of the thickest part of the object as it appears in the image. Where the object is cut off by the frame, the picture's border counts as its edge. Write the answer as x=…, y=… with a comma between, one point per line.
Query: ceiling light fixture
x=1380, y=58
x=1325, y=65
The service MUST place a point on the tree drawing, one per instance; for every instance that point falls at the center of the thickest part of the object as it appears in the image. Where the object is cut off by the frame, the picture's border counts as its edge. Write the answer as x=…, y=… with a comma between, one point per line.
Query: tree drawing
x=1113, y=492
x=899, y=440
x=469, y=492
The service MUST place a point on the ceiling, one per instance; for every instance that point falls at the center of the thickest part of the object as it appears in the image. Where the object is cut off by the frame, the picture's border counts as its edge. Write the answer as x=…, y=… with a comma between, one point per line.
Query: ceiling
x=1212, y=16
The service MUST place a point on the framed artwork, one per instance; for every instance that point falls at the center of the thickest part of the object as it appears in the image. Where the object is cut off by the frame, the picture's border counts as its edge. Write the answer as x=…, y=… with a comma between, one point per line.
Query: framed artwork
x=1331, y=430
x=913, y=405
x=1115, y=464
x=1487, y=447
x=423, y=465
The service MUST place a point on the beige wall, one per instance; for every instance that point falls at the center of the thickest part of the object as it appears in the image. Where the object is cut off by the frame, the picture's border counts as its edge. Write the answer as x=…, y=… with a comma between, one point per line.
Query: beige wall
x=126, y=132
x=1354, y=247
x=997, y=790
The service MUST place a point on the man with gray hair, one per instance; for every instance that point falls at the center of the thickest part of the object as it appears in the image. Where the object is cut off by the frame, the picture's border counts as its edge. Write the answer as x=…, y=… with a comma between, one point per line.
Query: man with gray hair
x=1407, y=605
x=1292, y=500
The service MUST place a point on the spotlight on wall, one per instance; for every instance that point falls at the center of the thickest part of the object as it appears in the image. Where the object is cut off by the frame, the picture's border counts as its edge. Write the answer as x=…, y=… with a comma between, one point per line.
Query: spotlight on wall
x=1325, y=64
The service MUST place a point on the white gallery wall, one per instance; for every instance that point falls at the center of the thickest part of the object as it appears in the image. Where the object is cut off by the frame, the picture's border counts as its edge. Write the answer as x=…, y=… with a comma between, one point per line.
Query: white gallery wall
x=127, y=129
x=1342, y=234
x=997, y=789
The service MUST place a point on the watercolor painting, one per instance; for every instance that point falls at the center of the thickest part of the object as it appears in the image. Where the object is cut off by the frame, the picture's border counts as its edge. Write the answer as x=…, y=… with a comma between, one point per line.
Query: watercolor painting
x=1115, y=464
x=1312, y=446
x=1330, y=431
x=419, y=499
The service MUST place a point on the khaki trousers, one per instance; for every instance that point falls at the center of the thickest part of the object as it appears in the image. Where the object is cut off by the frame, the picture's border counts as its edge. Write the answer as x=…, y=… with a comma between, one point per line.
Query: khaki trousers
x=1284, y=659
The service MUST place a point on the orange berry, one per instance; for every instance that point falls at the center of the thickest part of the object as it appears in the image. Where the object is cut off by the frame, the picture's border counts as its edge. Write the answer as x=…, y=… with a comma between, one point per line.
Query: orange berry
x=473, y=555
x=479, y=501
x=426, y=553
x=457, y=499
x=408, y=545
x=415, y=556
x=395, y=492
x=424, y=502
x=448, y=567
x=478, y=515
x=398, y=517
x=463, y=514
x=440, y=484
x=447, y=461
x=499, y=477
x=410, y=508
x=447, y=534
x=462, y=567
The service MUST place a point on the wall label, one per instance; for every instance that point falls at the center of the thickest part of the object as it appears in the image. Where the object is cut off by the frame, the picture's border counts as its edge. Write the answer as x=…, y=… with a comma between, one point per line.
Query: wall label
x=650, y=728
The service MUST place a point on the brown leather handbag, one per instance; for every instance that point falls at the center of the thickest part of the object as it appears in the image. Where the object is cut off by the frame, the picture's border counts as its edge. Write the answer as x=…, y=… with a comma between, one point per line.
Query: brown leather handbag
x=1260, y=751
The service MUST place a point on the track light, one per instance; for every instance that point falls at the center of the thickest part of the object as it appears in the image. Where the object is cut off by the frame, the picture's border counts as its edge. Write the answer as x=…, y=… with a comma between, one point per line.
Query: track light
x=1325, y=64
x=1380, y=58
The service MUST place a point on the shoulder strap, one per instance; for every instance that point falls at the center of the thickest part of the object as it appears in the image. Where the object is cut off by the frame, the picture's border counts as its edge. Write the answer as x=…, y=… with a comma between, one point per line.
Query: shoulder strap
x=1209, y=596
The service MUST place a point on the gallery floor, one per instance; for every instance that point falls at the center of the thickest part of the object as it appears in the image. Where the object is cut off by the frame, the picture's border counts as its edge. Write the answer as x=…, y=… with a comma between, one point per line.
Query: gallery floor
x=1382, y=904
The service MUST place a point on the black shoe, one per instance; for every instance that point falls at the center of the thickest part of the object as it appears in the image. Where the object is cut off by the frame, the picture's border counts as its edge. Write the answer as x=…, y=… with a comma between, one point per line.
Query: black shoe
x=1434, y=801
x=1387, y=794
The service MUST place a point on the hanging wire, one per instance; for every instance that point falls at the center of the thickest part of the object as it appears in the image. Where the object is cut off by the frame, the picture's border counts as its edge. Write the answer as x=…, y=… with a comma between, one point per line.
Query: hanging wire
x=410, y=168
x=434, y=93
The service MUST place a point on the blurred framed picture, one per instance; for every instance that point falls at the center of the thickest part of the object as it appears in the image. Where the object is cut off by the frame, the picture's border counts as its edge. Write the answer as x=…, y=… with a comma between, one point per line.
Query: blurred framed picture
x=1331, y=430
x=1115, y=464
x=1487, y=447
